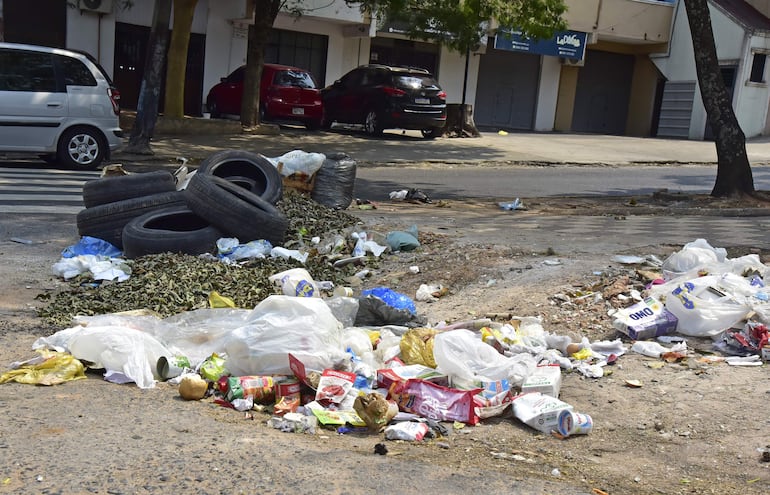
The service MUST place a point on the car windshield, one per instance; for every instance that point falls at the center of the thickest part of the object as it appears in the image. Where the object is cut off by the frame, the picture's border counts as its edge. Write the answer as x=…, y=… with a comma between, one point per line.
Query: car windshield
x=415, y=81
x=294, y=78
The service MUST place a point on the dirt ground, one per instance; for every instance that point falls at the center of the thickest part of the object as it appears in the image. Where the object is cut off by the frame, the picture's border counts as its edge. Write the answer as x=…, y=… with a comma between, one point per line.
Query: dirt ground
x=691, y=428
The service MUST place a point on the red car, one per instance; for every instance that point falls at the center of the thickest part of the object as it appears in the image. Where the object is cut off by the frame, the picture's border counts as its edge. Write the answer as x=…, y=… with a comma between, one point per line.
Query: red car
x=287, y=94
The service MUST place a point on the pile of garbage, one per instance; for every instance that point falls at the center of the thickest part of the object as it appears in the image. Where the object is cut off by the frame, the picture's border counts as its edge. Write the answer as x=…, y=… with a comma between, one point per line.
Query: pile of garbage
x=316, y=357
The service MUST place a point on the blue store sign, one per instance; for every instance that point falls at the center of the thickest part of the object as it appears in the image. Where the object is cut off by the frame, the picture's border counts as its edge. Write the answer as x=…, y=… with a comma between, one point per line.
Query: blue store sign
x=566, y=44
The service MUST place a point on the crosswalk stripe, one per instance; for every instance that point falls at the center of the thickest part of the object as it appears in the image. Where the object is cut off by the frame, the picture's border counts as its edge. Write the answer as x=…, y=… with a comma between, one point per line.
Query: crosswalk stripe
x=45, y=191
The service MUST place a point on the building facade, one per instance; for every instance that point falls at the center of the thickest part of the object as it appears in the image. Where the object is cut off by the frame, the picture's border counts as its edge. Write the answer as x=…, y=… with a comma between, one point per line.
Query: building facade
x=624, y=67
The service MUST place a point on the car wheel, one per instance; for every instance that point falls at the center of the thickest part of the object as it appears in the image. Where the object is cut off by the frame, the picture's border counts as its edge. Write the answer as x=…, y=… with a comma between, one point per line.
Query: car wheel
x=111, y=189
x=249, y=170
x=106, y=221
x=169, y=230
x=326, y=121
x=81, y=148
x=234, y=210
x=213, y=109
x=313, y=125
x=373, y=123
x=431, y=133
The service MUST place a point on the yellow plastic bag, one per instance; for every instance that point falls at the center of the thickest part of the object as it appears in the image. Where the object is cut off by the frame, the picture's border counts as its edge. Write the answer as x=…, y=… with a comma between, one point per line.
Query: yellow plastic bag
x=50, y=368
x=216, y=300
x=417, y=347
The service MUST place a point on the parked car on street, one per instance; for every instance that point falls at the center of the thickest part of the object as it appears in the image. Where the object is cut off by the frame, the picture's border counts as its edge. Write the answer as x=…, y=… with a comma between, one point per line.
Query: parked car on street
x=286, y=94
x=59, y=104
x=382, y=97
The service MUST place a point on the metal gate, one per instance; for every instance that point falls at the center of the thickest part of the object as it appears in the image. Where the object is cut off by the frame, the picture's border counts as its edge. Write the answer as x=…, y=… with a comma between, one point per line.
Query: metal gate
x=506, y=95
x=603, y=93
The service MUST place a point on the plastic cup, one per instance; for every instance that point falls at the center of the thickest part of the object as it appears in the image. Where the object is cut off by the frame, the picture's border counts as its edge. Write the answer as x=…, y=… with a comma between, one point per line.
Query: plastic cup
x=572, y=423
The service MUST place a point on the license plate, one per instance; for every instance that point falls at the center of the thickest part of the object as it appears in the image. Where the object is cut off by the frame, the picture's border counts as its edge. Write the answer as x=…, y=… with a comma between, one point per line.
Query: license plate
x=298, y=111
x=422, y=101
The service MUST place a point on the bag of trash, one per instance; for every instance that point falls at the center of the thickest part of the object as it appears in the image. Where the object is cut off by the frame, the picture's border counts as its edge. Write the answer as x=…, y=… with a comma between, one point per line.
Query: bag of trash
x=469, y=362
x=298, y=162
x=417, y=347
x=334, y=181
x=374, y=312
x=392, y=298
x=49, y=368
x=279, y=325
x=128, y=351
x=703, y=309
x=692, y=256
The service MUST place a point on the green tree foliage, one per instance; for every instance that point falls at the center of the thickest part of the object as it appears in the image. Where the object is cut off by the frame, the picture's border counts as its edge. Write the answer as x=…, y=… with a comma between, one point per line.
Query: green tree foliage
x=461, y=25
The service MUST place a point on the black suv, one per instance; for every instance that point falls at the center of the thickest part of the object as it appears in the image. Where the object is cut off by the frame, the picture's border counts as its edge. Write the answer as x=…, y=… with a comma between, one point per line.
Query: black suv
x=383, y=97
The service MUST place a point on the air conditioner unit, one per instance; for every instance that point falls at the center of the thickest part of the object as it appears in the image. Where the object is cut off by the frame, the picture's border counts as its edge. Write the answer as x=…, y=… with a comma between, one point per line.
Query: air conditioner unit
x=98, y=6
x=572, y=62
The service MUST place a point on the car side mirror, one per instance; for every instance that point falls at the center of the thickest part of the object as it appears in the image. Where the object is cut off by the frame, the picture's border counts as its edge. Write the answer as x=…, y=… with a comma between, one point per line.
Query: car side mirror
x=222, y=79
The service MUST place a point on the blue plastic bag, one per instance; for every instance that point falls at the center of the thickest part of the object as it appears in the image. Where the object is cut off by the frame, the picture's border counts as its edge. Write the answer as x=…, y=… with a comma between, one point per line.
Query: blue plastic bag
x=392, y=298
x=91, y=245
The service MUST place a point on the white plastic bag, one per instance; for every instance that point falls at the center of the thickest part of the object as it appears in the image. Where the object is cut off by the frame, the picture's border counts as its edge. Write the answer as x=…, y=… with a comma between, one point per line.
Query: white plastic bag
x=703, y=310
x=296, y=282
x=467, y=360
x=692, y=256
x=116, y=349
x=298, y=162
x=279, y=325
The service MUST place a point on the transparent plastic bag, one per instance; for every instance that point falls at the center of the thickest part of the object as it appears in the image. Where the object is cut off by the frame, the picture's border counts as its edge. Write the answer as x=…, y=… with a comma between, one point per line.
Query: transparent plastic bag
x=468, y=361
x=279, y=325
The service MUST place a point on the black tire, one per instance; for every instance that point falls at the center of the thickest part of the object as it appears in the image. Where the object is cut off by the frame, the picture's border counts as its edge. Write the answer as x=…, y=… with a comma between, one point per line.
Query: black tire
x=81, y=148
x=234, y=210
x=249, y=170
x=373, y=123
x=107, y=221
x=213, y=109
x=169, y=230
x=112, y=189
x=327, y=120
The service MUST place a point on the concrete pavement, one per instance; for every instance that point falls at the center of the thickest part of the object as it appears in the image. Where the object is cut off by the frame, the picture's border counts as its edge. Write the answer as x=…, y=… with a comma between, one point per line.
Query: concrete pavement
x=201, y=139
x=587, y=232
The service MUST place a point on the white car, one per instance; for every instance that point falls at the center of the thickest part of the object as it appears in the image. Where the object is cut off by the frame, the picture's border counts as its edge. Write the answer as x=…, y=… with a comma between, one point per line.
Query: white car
x=58, y=104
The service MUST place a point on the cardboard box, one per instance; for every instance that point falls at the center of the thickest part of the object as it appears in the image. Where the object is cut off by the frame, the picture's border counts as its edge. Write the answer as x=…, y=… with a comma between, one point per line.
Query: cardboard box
x=539, y=411
x=545, y=379
x=645, y=320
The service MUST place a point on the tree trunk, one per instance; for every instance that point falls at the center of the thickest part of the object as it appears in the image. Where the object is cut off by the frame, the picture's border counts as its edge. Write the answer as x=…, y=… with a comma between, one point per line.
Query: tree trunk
x=265, y=12
x=459, y=121
x=173, y=106
x=149, y=92
x=734, y=176
x=2, y=24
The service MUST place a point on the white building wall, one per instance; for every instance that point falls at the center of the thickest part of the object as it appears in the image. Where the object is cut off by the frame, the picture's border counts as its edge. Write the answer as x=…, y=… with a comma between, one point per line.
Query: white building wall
x=94, y=34
x=733, y=48
x=548, y=93
x=451, y=75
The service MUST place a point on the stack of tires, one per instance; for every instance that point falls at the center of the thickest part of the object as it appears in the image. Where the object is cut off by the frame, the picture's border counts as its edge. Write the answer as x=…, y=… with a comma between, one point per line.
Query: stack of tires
x=232, y=194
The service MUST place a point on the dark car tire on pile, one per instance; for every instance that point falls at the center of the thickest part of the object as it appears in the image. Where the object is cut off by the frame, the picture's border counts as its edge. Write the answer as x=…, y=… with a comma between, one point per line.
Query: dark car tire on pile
x=251, y=171
x=111, y=189
x=107, y=221
x=234, y=210
x=169, y=230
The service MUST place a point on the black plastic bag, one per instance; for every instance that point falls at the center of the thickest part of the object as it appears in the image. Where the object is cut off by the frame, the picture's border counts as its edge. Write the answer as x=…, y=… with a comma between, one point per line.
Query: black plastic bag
x=334, y=181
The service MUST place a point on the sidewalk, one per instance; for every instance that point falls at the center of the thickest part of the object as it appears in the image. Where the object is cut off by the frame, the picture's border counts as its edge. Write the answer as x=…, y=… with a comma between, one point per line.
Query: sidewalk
x=202, y=138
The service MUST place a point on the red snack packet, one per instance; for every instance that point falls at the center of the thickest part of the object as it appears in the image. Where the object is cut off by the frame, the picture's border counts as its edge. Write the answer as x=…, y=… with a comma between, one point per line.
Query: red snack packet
x=435, y=402
x=334, y=386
